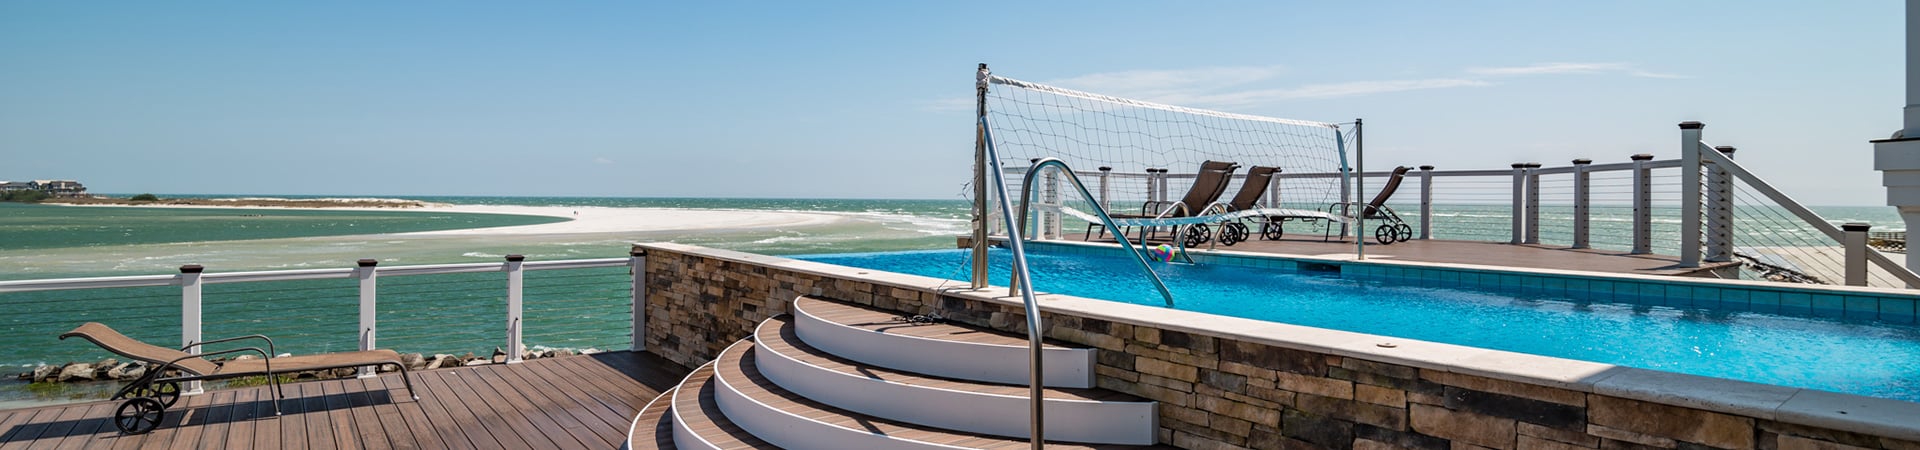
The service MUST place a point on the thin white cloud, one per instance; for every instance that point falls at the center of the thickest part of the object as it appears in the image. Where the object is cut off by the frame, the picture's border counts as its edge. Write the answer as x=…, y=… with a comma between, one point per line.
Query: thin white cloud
x=1139, y=81
x=602, y=160
x=1332, y=90
x=1564, y=68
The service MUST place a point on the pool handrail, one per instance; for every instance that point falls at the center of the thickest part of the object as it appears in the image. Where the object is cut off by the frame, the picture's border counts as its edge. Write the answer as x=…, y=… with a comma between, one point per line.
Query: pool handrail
x=1026, y=193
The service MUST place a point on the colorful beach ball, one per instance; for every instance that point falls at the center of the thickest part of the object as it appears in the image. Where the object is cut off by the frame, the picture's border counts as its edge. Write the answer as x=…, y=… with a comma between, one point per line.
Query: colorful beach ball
x=1162, y=252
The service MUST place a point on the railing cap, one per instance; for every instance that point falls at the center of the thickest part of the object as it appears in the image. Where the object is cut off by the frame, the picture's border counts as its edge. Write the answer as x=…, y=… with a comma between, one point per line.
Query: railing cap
x=516, y=258
x=1583, y=161
x=1727, y=149
x=367, y=262
x=1533, y=165
x=1642, y=157
x=1692, y=125
x=1106, y=168
x=1854, y=226
x=192, y=268
x=1426, y=167
x=1519, y=165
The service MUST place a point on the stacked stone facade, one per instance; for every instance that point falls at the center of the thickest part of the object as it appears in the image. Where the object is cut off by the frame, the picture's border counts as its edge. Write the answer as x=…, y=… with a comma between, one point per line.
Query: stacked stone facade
x=1221, y=393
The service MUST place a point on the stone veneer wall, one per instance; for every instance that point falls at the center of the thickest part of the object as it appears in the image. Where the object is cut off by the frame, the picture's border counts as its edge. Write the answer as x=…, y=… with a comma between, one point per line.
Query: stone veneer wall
x=1217, y=392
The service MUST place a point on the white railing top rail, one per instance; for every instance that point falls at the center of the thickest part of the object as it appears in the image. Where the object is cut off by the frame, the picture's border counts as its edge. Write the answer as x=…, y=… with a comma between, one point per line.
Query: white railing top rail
x=293, y=275
x=1568, y=169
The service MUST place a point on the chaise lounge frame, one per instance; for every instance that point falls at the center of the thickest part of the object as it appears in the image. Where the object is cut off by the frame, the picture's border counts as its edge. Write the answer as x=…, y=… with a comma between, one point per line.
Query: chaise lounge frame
x=148, y=396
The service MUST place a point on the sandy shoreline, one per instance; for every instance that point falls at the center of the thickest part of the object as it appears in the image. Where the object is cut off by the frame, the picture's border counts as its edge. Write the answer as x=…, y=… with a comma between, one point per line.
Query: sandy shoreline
x=585, y=219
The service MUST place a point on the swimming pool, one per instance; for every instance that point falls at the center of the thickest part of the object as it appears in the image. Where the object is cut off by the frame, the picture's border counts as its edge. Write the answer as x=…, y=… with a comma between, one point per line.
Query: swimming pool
x=1849, y=355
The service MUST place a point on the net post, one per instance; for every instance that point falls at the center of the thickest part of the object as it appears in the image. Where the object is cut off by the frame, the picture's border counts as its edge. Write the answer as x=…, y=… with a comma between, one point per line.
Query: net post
x=1720, y=210
x=1533, y=203
x=365, y=271
x=978, y=277
x=1582, y=207
x=1519, y=214
x=190, y=300
x=1642, y=205
x=1856, y=252
x=1426, y=202
x=1360, y=189
x=1690, y=193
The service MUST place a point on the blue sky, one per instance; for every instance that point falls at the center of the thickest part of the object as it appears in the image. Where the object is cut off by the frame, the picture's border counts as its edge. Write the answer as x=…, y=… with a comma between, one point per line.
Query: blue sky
x=856, y=100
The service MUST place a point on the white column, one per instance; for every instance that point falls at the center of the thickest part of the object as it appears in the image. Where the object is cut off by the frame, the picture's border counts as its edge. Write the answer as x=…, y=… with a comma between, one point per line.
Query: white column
x=1690, y=193
x=1106, y=189
x=190, y=316
x=637, y=267
x=1898, y=157
x=1519, y=203
x=1426, y=202
x=368, y=312
x=1581, y=206
x=515, y=285
x=1855, y=242
x=1642, y=204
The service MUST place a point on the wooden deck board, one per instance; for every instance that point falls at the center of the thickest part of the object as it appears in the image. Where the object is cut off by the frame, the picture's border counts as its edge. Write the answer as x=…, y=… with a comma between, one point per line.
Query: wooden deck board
x=570, y=402
x=1469, y=252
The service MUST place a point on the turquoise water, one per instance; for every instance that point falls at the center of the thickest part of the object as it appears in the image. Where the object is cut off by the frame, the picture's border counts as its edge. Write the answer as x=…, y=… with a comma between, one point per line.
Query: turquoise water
x=1851, y=356
x=26, y=226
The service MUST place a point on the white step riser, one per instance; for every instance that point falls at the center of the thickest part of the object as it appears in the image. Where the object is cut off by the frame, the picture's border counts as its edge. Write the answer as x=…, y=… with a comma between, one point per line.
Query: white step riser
x=684, y=437
x=1061, y=367
x=1131, y=423
x=799, y=433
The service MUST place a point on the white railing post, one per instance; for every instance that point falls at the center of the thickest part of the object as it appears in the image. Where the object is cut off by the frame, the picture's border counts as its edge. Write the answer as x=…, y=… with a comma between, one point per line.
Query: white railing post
x=1642, y=205
x=1426, y=202
x=1519, y=203
x=1581, y=206
x=1273, y=190
x=1051, y=224
x=1160, y=192
x=515, y=285
x=1690, y=193
x=190, y=316
x=1347, y=196
x=1533, y=203
x=1720, y=210
x=368, y=311
x=1856, y=248
x=637, y=265
x=1106, y=191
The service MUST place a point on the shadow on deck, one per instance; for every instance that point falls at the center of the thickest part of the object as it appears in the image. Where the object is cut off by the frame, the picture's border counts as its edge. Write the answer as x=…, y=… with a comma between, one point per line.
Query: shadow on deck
x=567, y=402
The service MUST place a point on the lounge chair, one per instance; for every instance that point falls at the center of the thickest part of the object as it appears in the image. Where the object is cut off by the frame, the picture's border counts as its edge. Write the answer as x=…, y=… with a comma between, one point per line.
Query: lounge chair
x=148, y=397
x=1391, y=230
x=1259, y=178
x=1211, y=181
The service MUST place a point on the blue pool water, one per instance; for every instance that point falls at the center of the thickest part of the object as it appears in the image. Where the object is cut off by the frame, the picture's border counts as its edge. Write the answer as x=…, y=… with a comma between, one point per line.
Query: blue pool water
x=1852, y=356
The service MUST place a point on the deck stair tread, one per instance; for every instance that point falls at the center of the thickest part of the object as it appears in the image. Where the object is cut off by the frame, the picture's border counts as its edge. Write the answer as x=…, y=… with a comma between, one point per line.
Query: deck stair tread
x=736, y=365
x=693, y=402
x=653, y=427
x=783, y=338
x=890, y=322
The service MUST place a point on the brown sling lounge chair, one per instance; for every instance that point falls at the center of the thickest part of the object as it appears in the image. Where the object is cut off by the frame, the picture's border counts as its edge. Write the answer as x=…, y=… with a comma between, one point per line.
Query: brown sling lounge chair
x=1207, y=187
x=1255, y=186
x=148, y=397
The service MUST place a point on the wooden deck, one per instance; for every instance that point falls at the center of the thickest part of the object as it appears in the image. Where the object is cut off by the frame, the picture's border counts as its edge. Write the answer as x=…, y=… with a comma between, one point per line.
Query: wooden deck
x=1472, y=252
x=569, y=402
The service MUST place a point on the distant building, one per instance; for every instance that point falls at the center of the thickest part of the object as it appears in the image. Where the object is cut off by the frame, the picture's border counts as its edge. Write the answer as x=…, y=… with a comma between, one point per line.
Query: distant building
x=56, y=188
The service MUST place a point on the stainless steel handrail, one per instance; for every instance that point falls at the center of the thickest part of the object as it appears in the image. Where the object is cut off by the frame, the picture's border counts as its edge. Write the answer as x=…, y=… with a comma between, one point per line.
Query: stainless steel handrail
x=1026, y=192
x=1036, y=388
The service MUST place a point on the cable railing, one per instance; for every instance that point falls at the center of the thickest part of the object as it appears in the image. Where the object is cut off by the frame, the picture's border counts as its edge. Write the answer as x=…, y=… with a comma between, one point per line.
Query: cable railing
x=514, y=306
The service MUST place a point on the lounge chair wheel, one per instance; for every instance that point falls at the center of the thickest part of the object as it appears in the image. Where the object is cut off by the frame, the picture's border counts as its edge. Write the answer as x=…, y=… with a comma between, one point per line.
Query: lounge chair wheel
x=1272, y=231
x=1384, y=234
x=1197, y=235
x=1404, y=233
x=1233, y=233
x=139, y=415
x=167, y=392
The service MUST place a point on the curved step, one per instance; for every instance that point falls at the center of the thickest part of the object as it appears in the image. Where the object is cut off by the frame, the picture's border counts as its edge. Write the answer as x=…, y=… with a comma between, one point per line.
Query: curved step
x=877, y=337
x=1076, y=415
x=652, y=428
x=697, y=419
x=791, y=421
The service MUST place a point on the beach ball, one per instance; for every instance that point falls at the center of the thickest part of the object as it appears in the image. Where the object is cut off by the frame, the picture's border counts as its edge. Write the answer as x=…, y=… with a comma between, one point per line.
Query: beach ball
x=1162, y=252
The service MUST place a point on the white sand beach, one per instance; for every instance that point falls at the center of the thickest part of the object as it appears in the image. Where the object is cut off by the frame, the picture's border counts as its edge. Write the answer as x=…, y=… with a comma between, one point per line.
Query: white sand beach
x=623, y=220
